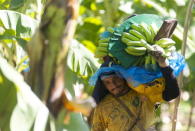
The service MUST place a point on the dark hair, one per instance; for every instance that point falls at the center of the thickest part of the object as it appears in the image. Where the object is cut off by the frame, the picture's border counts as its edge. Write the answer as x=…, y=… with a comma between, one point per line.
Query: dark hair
x=99, y=91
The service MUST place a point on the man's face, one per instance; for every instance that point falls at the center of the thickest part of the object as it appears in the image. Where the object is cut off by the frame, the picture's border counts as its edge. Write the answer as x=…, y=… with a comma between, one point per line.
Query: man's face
x=115, y=84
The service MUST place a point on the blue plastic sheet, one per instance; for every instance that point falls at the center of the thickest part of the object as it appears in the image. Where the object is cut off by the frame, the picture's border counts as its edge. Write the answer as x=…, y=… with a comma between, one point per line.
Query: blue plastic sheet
x=139, y=75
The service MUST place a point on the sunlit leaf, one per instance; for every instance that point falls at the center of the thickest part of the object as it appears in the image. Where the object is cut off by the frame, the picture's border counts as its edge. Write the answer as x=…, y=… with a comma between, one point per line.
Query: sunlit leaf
x=89, y=30
x=76, y=119
x=20, y=108
x=72, y=122
x=32, y=8
x=14, y=4
x=17, y=26
x=81, y=60
x=89, y=45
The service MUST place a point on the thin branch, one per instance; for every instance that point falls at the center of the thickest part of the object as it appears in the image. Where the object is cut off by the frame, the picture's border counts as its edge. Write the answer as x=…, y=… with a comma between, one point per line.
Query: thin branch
x=191, y=110
x=57, y=93
x=66, y=40
x=186, y=26
x=183, y=48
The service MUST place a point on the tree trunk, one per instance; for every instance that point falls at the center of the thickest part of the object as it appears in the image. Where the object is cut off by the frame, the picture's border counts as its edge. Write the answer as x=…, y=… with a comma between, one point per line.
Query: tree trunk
x=48, y=49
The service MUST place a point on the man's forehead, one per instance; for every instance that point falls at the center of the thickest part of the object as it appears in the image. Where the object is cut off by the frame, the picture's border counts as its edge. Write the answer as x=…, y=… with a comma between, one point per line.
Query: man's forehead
x=109, y=77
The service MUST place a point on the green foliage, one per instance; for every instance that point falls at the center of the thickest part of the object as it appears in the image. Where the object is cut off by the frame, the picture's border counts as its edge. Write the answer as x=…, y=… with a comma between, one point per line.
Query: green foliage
x=81, y=60
x=73, y=122
x=81, y=65
x=76, y=119
x=18, y=22
x=32, y=8
x=18, y=104
x=16, y=27
x=190, y=81
x=83, y=32
x=16, y=30
x=96, y=17
x=7, y=101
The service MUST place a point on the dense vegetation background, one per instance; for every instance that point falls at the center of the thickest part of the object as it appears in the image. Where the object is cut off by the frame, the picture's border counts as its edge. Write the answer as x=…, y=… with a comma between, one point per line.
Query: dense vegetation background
x=44, y=44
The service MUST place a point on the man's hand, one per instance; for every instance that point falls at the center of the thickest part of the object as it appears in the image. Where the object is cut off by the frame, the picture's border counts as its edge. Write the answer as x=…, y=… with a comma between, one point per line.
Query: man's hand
x=158, y=56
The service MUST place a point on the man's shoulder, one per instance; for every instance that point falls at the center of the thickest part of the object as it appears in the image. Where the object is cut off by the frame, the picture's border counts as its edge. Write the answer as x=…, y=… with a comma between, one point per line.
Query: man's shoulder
x=107, y=101
x=110, y=100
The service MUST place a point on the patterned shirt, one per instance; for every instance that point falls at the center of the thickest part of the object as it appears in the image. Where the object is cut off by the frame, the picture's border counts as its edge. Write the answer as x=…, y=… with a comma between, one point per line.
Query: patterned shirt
x=110, y=115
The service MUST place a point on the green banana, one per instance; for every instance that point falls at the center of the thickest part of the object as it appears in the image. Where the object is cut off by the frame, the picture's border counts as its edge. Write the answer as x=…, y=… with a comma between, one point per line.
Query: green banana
x=147, y=62
x=154, y=65
x=154, y=28
x=134, y=53
x=125, y=40
x=147, y=32
x=110, y=29
x=147, y=46
x=136, y=49
x=110, y=54
x=103, y=40
x=136, y=27
x=132, y=43
x=165, y=42
x=135, y=43
x=170, y=49
x=102, y=49
x=130, y=36
x=137, y=34
x=103, y=44
x=117, y=34
x=167, y=54
x=114, y=38
x=99, y=54
x=100, y=60
x=153, y=32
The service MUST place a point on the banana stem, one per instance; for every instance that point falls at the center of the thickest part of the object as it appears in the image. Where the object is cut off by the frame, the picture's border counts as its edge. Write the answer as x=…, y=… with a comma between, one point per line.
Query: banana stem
x=148, y=47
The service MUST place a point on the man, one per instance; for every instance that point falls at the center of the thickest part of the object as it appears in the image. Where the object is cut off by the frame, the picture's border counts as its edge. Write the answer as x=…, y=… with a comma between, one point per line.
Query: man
x=123, y=109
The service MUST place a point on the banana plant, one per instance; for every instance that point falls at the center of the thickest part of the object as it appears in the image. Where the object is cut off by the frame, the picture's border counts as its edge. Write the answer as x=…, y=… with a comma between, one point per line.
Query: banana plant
x=84, y=65
x=20, y=108
x=13, y=22
x=16, y=29
x=32, y=8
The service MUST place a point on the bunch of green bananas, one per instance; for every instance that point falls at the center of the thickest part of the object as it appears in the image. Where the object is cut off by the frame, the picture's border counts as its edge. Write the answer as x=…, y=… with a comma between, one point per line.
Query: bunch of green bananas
x=140, y=40
x=102, y=49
